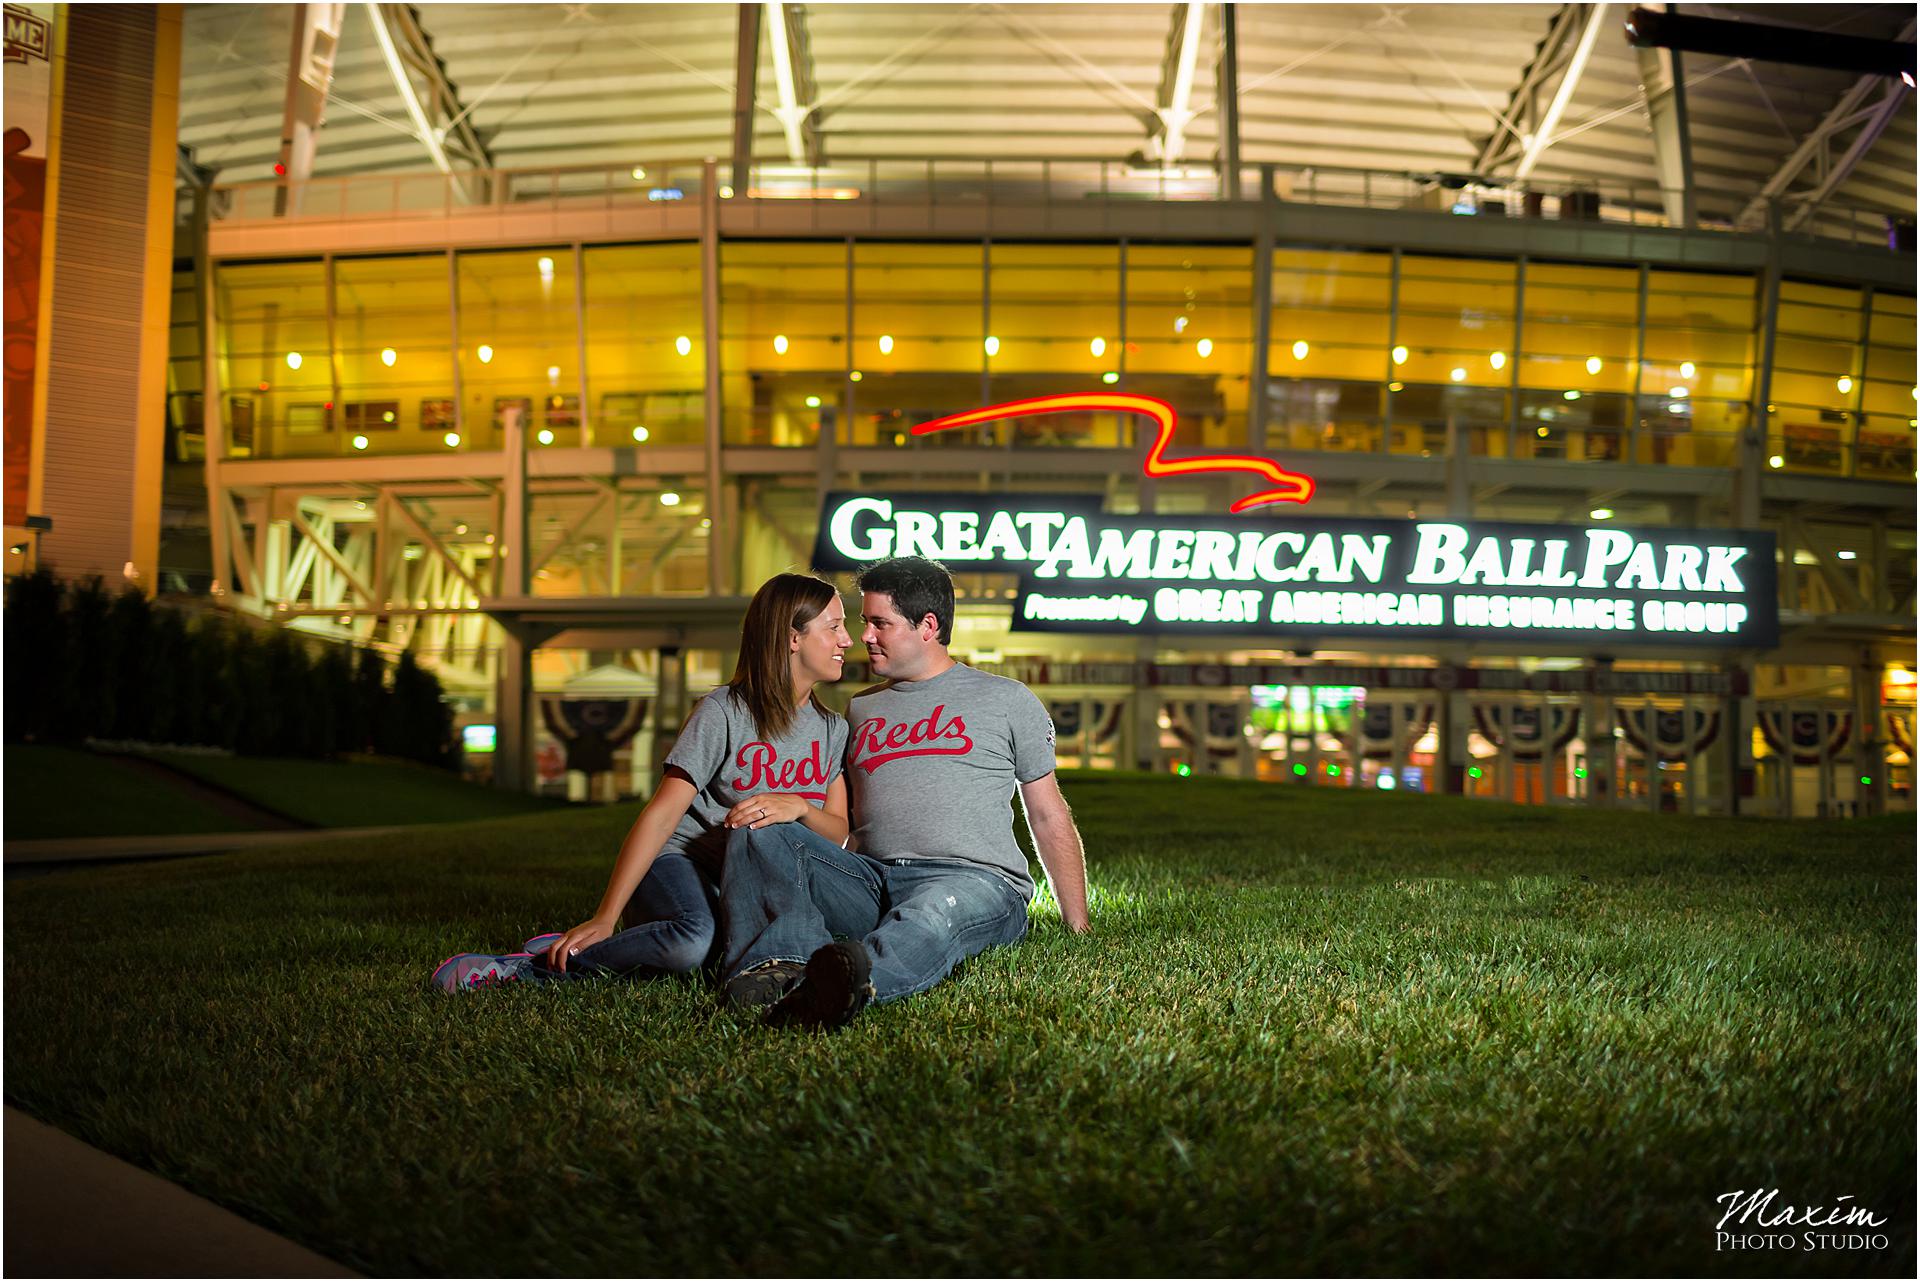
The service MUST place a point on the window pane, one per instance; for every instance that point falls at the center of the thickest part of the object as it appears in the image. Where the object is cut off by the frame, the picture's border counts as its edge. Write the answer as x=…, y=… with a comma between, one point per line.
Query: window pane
x=645, y=359
x=1581, y=331
x=394, y=328
x=783, y=351
x=1188, y=335
x=517, y=341
x=273, y=333
x=1456, y=321
x=919, y=340
x=1338, y=305
x=1056, y=311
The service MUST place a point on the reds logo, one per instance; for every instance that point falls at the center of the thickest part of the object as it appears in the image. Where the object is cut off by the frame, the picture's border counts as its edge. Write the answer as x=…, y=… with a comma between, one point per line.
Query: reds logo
x=874, y=744
x=766, y=772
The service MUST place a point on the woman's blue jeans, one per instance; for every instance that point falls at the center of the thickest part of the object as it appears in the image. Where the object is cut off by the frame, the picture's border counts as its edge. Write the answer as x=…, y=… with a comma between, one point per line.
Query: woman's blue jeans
x=679, y=933
x=787, y=891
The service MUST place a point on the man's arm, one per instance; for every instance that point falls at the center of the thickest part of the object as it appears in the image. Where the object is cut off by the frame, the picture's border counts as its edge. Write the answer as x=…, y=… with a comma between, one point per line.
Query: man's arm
x=1058, y=842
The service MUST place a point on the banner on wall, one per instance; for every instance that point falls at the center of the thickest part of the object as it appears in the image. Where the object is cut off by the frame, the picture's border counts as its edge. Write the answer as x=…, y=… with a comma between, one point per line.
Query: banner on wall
x=29, y=88
x=1081, y=570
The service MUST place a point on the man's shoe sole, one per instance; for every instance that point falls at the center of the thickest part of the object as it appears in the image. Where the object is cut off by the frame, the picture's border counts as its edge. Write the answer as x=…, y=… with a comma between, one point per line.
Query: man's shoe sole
x=838, y=986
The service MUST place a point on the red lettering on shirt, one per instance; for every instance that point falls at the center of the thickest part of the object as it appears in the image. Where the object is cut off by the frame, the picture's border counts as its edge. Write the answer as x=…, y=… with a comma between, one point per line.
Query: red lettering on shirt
x=875, y=743
x=768, y=772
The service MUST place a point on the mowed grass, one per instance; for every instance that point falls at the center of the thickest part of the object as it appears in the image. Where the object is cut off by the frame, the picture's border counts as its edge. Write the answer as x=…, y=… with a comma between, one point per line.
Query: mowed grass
x=66, y=792
x=355, y=794
x=1314, y=1032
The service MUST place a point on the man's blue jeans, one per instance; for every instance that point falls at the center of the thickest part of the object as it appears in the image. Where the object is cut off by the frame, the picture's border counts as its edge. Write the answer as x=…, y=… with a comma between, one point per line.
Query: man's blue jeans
x=786, y=891
x=675, y=903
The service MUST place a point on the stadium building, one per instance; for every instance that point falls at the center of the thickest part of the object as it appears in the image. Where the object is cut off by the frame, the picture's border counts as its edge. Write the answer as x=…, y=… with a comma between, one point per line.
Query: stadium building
x=1566, y=353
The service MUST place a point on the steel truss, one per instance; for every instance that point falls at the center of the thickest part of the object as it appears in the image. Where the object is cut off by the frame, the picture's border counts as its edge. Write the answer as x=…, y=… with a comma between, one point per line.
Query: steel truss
x=444, y=127
x=413, y=566
x=1816, y=149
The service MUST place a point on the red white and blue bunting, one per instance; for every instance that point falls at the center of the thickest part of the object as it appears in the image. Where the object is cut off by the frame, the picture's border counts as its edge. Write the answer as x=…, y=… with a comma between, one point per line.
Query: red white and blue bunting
x=1813, y=732
x=1102, y=715
x=1534, y=730
x=592, y=729
x=1386, y=729
x=1668, y=734
x=1225, y=732
x=1900, y=731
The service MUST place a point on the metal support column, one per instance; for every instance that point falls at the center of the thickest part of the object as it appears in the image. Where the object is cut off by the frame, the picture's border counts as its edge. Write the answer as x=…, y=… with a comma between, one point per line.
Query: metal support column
x=1227, y=81
x=513, y=715
x=580, y=349
x=1515, y=356
x=1262, y=338
x=1752, y=458
x=1393, y=342
x=336, y=410
x=1870, y=754
x=1596, y=716
x=212, y=420
x=670, y=707
x=721, y=536
x=1639, y=370
x=1737, y=717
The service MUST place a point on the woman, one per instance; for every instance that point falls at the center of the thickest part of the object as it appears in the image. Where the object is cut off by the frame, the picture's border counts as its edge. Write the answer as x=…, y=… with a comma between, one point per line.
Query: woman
x=759, y=750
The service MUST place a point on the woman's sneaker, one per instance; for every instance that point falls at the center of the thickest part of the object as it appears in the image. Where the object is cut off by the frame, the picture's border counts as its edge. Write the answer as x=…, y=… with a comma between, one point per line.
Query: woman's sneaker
x=838, y=986
x=479, y=970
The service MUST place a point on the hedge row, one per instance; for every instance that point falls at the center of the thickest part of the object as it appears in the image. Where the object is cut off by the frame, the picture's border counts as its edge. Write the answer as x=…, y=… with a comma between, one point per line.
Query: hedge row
x=83, y=663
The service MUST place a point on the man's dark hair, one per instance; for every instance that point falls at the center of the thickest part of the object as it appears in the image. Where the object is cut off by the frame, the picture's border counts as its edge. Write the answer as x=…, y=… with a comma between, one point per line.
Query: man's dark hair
x=918, y=587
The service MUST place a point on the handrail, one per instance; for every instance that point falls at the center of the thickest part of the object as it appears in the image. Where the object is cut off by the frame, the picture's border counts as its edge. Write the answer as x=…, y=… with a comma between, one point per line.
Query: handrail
x=1054, y=181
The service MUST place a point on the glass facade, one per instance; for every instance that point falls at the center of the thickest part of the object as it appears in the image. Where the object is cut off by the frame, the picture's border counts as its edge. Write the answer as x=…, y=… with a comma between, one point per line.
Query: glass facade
x=393, y=331
x=1367, y=351
x=1843, y=382
x=783, y=341
x=1453, y=354
x=186, y=376
x=646, y=357
x=518, y=348
x=1055, y=310
x=1327, y=351
x=1696, y=377
x=1189, y=336
x=919, y=341
x=273, y=361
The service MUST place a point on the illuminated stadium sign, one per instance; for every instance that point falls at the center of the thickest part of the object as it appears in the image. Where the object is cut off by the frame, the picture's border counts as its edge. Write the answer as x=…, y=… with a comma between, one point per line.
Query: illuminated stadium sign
x=1084, y=571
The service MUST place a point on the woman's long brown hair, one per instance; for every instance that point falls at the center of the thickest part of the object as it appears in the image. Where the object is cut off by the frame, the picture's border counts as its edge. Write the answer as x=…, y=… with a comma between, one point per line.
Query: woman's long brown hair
x=762, y=679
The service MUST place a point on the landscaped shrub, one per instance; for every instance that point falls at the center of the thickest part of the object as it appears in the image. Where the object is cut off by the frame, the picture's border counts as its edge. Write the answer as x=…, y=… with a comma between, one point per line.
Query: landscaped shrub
x=84, y=664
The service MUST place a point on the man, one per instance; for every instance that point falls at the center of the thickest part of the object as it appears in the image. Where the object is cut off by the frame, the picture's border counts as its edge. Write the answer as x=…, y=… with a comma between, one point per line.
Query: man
x=934, y=875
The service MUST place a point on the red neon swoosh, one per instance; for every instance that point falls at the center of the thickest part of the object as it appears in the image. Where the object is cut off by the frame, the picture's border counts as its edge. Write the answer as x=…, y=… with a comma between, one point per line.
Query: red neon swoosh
x=1292, y=487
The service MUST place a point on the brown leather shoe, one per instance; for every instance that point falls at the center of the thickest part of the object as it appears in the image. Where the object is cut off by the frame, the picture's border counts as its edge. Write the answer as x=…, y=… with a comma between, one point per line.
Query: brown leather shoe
x=838, y=986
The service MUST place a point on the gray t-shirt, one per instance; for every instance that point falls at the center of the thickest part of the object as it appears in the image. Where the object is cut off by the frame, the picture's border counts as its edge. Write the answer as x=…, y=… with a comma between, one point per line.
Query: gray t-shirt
x=729, y=760
x=933, y=764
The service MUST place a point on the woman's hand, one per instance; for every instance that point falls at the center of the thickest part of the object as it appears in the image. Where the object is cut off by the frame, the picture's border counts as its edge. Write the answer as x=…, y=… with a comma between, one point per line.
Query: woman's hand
x=768, y=808
x=585, y=935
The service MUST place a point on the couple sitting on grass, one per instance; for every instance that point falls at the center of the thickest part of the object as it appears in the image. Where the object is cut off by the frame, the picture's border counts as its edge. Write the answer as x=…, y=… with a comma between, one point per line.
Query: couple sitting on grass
x=744, y=856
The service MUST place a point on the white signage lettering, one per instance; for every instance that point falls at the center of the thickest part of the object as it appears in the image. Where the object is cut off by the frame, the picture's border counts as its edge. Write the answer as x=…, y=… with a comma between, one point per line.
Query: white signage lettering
x=1449, y=576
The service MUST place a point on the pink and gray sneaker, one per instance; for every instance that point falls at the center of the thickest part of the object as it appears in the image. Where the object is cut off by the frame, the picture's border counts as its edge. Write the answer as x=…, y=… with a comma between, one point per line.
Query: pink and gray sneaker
x=466, y=971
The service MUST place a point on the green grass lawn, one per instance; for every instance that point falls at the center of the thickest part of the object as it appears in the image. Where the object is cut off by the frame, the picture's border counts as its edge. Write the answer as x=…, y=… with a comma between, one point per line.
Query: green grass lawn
x=354, y=794
x=1314, y=1031
x=65, y=792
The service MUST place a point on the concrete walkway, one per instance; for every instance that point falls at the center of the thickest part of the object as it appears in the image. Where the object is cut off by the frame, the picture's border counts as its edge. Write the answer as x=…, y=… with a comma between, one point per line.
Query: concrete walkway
x=73, y=1211
x=60, y=850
